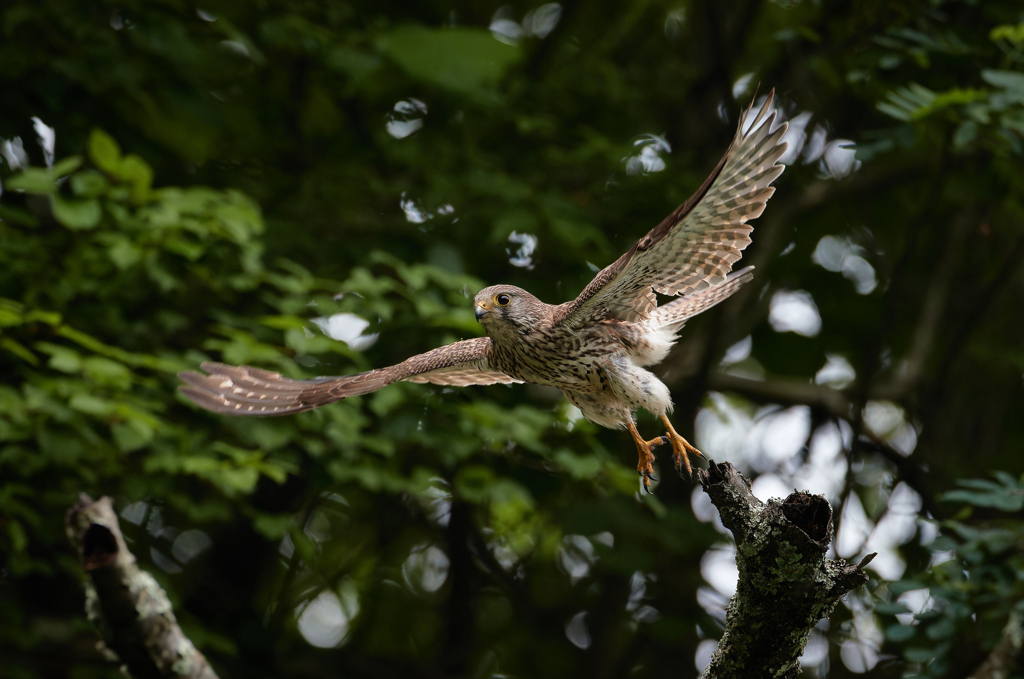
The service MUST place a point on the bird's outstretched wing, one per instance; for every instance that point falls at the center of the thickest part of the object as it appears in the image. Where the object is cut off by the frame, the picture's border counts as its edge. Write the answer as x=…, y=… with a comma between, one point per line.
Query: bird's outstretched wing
x=242, y=390
x=695, y=247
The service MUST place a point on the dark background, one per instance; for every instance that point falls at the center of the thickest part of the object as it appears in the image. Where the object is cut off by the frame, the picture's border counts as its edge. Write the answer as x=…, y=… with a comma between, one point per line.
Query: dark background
x=221, y=172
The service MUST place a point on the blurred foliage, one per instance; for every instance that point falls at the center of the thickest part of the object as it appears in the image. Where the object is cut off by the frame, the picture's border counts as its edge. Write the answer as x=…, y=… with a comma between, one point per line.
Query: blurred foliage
x=190, y=182
x=973, y=589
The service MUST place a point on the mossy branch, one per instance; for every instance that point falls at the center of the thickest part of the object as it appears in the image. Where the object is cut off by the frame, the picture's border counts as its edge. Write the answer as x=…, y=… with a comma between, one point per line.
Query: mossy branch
x=131, y=610
x=786, y=585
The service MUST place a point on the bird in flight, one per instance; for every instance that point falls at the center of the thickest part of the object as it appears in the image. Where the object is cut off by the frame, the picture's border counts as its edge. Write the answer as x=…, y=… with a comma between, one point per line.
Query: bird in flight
x=595, y=348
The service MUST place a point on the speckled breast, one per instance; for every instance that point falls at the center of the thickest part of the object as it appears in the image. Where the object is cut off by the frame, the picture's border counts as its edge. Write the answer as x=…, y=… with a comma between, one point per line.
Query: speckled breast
x=563, y=360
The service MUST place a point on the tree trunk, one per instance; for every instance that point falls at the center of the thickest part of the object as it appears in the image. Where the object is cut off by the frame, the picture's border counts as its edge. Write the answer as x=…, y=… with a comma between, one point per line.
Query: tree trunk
x=131, y=610
x=785, y=586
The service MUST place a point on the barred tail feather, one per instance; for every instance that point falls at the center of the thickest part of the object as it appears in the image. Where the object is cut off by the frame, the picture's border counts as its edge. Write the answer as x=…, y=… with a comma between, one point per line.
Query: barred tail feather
x=243, y=390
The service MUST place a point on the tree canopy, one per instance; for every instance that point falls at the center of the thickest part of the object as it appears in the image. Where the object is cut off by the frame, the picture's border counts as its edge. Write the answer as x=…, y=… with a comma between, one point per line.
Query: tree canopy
x=320, y=188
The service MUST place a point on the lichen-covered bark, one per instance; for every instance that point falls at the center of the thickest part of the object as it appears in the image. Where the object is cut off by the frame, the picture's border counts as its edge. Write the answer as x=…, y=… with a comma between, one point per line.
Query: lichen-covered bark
x=132, y=612
x=785, y=586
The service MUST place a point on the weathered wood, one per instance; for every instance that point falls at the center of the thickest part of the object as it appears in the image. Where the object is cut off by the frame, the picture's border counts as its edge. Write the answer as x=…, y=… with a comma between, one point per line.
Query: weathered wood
x=786, y=585
x=130, y=609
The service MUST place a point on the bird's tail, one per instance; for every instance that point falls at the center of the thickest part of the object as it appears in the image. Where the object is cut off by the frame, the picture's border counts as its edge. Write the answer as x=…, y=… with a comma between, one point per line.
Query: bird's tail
x=673, y=315
x=243, y=390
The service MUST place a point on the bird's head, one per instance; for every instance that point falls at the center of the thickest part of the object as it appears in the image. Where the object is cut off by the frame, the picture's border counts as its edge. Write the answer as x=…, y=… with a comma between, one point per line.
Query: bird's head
x=505, y=306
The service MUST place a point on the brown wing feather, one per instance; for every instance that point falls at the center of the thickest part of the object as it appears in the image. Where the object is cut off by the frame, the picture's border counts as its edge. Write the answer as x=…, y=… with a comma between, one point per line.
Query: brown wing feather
x=243, y=390
x=463, y=375
x=695, y=247
x=678, y=311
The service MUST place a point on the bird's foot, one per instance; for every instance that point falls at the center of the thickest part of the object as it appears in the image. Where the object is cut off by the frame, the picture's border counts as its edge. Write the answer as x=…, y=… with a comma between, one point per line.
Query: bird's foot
x=645, y=466
x=681, y=450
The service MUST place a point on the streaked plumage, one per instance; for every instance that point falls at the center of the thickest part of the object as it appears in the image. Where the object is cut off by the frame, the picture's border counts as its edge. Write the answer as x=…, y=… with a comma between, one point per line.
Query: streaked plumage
x=594, y=348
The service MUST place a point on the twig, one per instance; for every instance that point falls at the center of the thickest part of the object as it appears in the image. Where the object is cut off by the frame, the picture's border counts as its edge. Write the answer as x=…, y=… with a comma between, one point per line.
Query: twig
x=787, y=392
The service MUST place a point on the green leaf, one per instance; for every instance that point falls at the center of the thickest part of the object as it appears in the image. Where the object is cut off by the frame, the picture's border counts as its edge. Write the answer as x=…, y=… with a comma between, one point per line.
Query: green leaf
x=107, y=373
x=48, y=317
x=1006, y=494
x=901, y=586
x=139, y=174
x=943, y=628
x=61, y=358
x=116, y=353
x=273, y=526
x=66, y=166
x=957, y=96
x=41, y=180
x=1010, y=80
x=579, y=466
x=132, y=434
x=965, y=133
x=474, y=483
x=17, y=536
x=355, y=63
x=89, y=184
x=77, y=214
x=11, y=313
x=1013, y=120
x=104, y=152
x=1009, y=32
x=921, y=655
x=180, y=245
x=32, y=180
x=123, y=253
x=899, y=633
x=1007, y=502
x=91, y=405
x=18, y=350
x=16, y=215
x=463, y=60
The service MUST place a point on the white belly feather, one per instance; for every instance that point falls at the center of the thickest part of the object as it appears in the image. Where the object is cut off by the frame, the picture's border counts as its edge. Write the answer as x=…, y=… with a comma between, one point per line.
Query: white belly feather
x=627, y=386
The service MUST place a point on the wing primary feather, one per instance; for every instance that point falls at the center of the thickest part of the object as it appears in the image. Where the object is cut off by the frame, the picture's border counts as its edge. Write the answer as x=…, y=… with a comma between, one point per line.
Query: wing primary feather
x=244, y=390
x=695, y=247
x=674, y=314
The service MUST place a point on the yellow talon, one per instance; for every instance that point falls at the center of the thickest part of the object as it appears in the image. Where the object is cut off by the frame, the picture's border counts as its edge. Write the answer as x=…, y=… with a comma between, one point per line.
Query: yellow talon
x=681, y=448
x=645, y=465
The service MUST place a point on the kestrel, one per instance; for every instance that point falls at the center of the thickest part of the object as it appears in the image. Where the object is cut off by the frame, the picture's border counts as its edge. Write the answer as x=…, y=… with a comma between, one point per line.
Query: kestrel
x=596, y=348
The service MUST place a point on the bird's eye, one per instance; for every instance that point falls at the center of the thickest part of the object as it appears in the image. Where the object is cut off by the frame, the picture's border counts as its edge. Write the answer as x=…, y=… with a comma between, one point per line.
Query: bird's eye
x=502, y=299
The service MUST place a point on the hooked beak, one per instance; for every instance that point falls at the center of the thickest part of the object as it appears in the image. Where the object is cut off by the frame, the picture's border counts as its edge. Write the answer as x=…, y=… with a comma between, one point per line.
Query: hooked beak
x=482, y=312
